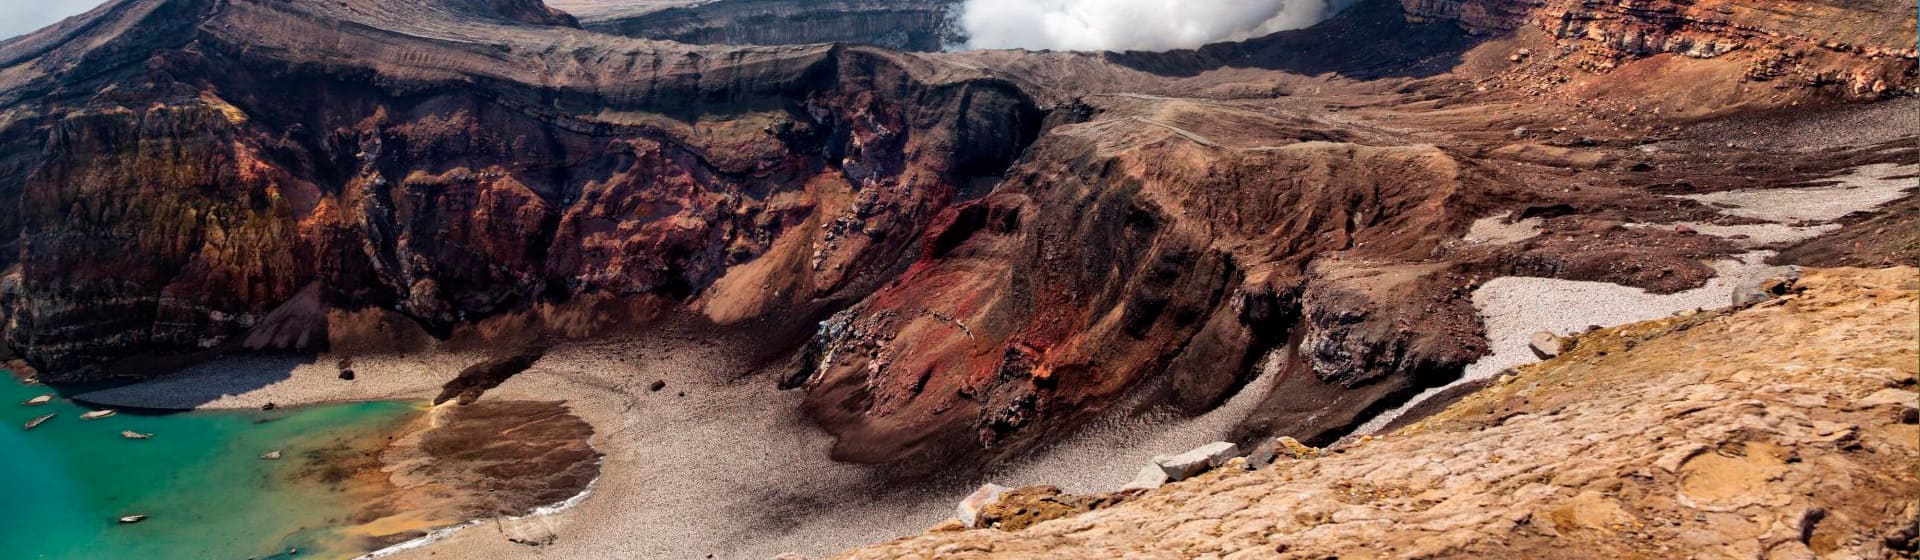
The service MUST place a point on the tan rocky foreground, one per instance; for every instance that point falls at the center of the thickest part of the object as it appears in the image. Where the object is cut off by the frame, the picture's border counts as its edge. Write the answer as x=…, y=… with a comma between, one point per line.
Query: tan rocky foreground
x=1781, y=430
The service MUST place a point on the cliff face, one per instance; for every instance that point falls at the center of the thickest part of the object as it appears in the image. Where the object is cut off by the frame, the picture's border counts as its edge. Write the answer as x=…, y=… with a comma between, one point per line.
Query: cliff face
x=915, y=25
x=178, y=201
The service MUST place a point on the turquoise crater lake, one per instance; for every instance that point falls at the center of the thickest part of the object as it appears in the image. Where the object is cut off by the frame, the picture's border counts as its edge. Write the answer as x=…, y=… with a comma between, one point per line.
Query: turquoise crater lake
x=199, y=478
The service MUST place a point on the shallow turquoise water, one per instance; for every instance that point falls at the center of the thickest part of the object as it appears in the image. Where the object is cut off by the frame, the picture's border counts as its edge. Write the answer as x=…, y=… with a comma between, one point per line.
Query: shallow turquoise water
x=64, y=484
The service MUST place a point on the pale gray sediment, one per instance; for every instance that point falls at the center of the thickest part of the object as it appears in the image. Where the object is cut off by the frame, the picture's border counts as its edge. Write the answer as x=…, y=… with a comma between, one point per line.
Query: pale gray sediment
x=1498, y=231
x=1861, y=188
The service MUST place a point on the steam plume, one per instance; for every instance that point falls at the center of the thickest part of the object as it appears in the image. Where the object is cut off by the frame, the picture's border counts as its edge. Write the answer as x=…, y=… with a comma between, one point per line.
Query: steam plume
x=1087, y=25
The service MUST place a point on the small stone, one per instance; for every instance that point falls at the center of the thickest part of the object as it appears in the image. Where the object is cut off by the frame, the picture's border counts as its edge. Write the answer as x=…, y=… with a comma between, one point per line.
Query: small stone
x=347, y=374
x=1199, y=460
x=657, y=385
x=1544, y=344
x=271, y=455
x=1150, y=477
x=268, y=406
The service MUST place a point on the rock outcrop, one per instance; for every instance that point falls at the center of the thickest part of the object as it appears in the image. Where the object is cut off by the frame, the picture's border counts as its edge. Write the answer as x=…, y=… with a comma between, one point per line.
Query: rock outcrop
x=181, y=197
x=1714, y=434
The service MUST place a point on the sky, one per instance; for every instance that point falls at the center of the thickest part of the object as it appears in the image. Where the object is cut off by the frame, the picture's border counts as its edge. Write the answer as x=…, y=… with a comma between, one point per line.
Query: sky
x=20, y=16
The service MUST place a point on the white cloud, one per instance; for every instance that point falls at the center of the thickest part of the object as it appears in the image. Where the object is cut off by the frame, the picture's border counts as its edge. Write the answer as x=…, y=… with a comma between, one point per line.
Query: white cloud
x=21, y=16
x=1156, y=25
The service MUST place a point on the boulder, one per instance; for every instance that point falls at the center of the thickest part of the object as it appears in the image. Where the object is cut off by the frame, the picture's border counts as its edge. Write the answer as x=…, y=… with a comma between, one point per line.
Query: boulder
x=1199, y=460
x=1544, y=344
x=969, y=510
x=1150, y=476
